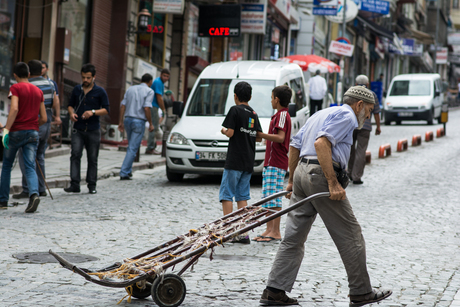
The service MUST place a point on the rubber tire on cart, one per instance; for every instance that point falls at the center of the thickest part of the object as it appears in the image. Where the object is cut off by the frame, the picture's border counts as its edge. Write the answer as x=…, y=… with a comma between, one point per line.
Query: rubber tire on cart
x=168, y=290
x=173, y=177
x=142, y=293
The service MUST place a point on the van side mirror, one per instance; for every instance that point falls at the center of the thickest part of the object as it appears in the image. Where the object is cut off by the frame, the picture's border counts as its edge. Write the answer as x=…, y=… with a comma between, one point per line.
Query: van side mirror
x=178, y=108
x=436, y=94
x=292, y=110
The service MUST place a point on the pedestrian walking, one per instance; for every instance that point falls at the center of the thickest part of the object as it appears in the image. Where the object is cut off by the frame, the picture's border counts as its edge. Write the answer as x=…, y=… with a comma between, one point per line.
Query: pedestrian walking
x=27, y=112
x=240, y=126
x=45, y=69
x=135, y=107
x=51, y=103
x=87, y=103
x=318, y=89
x=317, y=160
x=361, y=138
x=276, y=158
x=158, y=87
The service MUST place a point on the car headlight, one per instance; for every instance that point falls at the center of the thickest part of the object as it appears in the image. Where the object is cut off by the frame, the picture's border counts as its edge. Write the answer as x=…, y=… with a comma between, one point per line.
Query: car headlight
x=177, y=138
x=422, y=107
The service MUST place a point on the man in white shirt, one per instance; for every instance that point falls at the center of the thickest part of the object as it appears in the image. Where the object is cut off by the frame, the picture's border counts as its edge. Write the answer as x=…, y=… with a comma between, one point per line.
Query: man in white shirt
x=458, y=95
x=318, y=89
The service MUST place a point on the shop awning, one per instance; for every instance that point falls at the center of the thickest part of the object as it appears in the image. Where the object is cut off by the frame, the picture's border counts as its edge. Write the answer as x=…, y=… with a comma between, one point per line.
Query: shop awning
x=379, y=30
x=423, y=37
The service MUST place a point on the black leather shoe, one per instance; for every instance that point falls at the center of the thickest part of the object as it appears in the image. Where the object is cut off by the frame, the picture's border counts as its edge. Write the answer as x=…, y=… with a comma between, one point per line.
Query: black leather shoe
x=72, y=189
x=357, y=181
x=125, y=178
x=130, y=174
x=43, y=194
x=92, y=191
x=21, y=195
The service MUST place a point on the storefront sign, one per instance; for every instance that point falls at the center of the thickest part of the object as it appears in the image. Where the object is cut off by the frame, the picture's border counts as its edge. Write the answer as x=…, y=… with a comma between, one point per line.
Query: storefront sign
x=350, y=13
x=325, y=7
x=456, y=49
x=155, y=29
x=408, y=46
x=283, y=7
x=454, y=58
x=341, y=48
x=453, y=38
x=254, y=17
x=219, y=20
x=142, y=67
x=168, y=6
x=375, y=6
x=441, y=56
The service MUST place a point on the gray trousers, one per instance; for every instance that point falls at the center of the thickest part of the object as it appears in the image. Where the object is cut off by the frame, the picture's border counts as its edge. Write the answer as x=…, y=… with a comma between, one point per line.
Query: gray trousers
x=340, y=222
x=151, y=142
x=358, y=153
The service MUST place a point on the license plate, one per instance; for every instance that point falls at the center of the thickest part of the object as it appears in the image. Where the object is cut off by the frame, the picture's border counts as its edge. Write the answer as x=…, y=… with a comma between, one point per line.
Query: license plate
x=406, y=114
x=210, y=155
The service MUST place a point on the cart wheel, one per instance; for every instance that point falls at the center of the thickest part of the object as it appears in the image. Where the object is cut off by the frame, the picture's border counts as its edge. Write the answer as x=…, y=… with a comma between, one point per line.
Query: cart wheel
x=142, y=293
x=168, y=290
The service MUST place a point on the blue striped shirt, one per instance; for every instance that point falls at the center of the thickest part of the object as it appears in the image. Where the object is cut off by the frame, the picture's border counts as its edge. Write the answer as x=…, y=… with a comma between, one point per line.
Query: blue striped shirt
x=47, y=88
x=336, y=124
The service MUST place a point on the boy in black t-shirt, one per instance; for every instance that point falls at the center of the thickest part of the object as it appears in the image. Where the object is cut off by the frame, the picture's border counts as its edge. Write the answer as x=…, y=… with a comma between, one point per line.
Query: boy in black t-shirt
x=241, y=126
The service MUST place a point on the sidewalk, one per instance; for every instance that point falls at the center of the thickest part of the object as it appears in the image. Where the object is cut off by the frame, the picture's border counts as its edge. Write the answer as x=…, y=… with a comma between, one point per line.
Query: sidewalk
x=57, y=164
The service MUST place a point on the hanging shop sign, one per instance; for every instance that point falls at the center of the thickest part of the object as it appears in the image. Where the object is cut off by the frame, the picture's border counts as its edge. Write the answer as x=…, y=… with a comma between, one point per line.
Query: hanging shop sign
x=142, y=67
x=219, y=20
x=351, y=12
x=283, y=7
x=408, y=47
x=325, y=7
x=168, y=6
x=253, y=17
x=341, y=48
x=441, y=56
x=427, y=59
x=453, y=38
x=375, y=6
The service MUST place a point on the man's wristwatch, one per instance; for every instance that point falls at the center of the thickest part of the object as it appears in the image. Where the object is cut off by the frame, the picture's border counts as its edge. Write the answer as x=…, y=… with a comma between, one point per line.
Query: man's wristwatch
x=94, y=111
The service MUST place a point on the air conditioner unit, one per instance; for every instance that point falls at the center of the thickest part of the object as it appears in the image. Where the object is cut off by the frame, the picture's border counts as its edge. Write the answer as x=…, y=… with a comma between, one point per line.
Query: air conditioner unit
x=113, y=134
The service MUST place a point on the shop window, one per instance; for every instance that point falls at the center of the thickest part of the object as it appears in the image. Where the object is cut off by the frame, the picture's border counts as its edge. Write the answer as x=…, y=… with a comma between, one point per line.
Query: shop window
x=273, y=42
x=198, y=46
x=7, y=44
x=75, y=16
x=150, y=44
x=236, y=48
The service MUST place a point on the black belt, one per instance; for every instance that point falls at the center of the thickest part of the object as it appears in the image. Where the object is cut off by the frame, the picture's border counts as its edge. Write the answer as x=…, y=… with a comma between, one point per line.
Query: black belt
x=313, y=161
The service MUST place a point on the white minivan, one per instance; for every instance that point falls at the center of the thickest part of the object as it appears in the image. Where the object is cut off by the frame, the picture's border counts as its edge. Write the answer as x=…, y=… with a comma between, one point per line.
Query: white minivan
x=414, y=97
x=196, y=145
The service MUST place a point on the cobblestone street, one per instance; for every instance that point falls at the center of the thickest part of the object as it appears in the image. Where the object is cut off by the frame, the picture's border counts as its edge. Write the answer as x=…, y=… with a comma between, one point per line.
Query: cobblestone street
x=408, y=209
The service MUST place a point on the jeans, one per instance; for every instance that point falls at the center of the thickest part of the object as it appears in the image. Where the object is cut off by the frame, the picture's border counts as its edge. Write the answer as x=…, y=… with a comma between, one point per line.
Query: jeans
x=28, y=141
x=151, y=142
x=43, y=135
x=90, y=140
x=135, y=128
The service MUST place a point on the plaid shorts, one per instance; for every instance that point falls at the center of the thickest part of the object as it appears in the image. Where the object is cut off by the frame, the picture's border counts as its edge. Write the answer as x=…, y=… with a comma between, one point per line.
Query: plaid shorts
x=273, y=182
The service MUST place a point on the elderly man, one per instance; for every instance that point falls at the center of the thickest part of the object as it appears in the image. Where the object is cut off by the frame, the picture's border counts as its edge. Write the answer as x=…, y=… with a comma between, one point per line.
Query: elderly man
x=361, y=138
x=318, y=157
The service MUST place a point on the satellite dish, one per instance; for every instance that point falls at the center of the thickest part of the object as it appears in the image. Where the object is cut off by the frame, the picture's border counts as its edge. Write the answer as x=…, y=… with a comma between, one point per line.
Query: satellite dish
x=351, y=12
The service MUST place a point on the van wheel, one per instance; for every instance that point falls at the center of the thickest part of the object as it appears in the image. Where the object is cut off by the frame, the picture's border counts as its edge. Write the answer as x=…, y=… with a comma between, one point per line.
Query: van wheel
x=174, y=177
x=387, y=121
x=430, y=117
x=398, y=122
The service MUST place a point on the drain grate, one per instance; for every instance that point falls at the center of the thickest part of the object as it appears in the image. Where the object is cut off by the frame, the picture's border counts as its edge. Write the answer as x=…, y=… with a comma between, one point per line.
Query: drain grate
x=45, y=257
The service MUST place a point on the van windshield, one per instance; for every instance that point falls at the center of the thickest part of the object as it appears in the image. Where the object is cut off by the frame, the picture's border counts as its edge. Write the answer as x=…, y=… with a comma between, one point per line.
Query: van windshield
x=411, y=88
x=214, y=97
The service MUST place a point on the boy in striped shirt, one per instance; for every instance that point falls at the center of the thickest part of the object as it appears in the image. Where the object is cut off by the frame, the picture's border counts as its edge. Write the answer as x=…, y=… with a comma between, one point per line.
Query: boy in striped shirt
x=276, y=158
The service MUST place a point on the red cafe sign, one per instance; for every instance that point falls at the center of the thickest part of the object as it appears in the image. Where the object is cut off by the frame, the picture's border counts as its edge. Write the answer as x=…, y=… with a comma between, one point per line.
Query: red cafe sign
x=155, y=29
